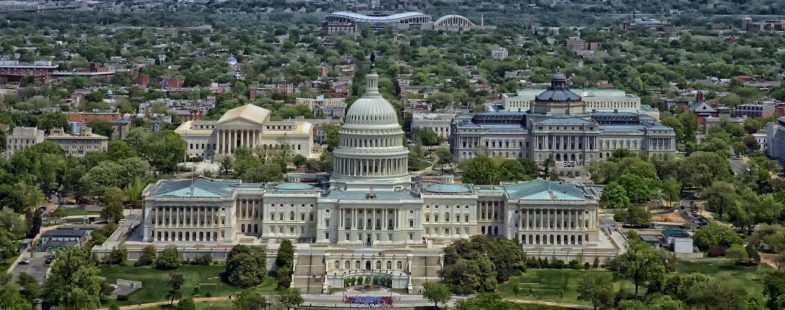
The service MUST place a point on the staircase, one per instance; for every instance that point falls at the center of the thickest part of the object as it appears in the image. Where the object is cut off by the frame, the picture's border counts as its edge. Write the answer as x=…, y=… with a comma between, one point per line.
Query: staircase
x=309, y=274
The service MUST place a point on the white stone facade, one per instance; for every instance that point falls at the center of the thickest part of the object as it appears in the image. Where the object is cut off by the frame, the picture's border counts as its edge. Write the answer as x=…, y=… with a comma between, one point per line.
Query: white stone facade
x=22, y=138
x=249, y=127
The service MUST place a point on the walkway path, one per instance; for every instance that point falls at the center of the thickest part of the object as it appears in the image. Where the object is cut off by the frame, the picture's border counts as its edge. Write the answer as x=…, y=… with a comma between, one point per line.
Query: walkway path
x=547, y=303
x=161, y=303
x=317, y=300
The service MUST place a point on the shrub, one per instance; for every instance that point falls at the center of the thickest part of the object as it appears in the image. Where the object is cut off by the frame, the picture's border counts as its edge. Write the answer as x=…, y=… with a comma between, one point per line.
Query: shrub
x=203, y=259
x=169, y=259
x=586, y=266
x=596, y=263
x=148, y=256
x=753, y=254
x=574, y=264
x=558, y=264
x=717, y=251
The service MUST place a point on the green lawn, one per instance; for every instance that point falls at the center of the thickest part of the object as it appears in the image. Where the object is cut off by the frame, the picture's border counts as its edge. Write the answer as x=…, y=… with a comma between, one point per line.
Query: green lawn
x=154, y=282
x=749, y=277
x=553, y=284
x=71, y=211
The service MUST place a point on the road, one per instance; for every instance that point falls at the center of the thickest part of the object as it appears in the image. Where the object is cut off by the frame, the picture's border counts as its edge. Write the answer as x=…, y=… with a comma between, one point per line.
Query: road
x=37, y=268
x=737, y=165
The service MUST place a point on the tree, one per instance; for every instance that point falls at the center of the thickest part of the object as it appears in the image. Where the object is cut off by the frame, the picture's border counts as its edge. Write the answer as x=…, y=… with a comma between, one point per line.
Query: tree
x=598, y=289
x=113, y=212
x=721, y=197
x=10, y=297
x=271, y=172
x=147, y=257
x=467, y=268
x=73, y=282
x=614, y=196
x=101, y=127
x=290, y=297
x=701, y=169
x=426, y=136
x=484, y=301
x=245, y=266
x=186, y=304
x=249, y=299
x=284, y=262
x=162, y=149
x=672, y=189
x=634, y=215
x=639, y=189
x=738, y=253
x=332, y=136
x=444, y=157
x=169, y=259
x=774, y=288
x=640, y=263
x=14, y=228
x=299, y=160
x=436, y=293
x=117, y=256
x=512, y=170
x=715, y=234
x=721, y=293
x=176, y=281
x=530, y=167
x=480, y=170
x=31, y=289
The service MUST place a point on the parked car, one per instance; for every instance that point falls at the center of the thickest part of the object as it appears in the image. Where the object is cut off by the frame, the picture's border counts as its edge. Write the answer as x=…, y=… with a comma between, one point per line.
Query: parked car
x=24, y=262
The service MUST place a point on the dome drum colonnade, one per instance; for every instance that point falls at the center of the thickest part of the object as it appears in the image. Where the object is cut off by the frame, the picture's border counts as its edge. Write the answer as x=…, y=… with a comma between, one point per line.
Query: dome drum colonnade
x=371, y=145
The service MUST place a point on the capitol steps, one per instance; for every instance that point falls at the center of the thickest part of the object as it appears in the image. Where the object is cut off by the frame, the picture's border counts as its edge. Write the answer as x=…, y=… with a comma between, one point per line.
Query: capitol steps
x=306, y=268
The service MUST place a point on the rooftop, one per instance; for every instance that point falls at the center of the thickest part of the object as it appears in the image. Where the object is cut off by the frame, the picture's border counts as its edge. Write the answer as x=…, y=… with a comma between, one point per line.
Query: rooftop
x=198, y=187
x=448, y=188
x=545, y=190
x=379, y=195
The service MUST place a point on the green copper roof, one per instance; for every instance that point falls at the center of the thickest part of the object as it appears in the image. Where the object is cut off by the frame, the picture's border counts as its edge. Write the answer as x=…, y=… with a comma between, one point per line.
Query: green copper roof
x=293, y=186
x=448, y=188
x=544, y=190
x=199, y=187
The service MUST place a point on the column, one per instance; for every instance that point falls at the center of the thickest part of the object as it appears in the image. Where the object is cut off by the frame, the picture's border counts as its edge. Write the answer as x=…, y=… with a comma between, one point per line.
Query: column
x=354, y=219
x=217, y=141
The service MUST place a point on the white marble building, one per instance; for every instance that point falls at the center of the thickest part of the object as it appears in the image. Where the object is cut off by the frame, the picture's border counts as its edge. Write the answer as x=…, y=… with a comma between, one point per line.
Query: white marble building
x=248, y=126
x=372, y=219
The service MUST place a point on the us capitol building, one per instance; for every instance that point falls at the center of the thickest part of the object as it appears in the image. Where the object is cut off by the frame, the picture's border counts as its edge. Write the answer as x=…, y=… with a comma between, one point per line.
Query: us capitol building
x=373, y=219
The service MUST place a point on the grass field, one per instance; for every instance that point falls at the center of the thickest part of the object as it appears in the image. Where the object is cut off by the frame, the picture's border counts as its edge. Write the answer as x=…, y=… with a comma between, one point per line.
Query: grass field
x=750, y=278
x=155, y=282
x=553, y=284
x=71, y=211
x=562, y=284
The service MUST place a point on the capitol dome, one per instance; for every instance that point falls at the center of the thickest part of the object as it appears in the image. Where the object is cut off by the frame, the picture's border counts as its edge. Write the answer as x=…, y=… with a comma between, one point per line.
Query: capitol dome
x=371, y=153
x=372, y=108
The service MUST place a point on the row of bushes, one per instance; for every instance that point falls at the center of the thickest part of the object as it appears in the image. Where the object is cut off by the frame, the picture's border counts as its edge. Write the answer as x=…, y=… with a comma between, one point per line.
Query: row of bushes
x=554, y=263
x=149, y=257
x=385, y=281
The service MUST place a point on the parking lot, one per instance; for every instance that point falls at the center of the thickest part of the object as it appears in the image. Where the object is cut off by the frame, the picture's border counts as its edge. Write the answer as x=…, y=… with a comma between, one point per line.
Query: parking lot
x=37, y=268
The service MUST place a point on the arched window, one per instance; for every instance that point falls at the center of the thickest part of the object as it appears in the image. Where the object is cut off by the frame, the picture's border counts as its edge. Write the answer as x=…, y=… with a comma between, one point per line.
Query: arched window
x=357, y=265
x=400, y=265
x=389, y=265
x=337, y=264
x=347, y=265
x=378, y=265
